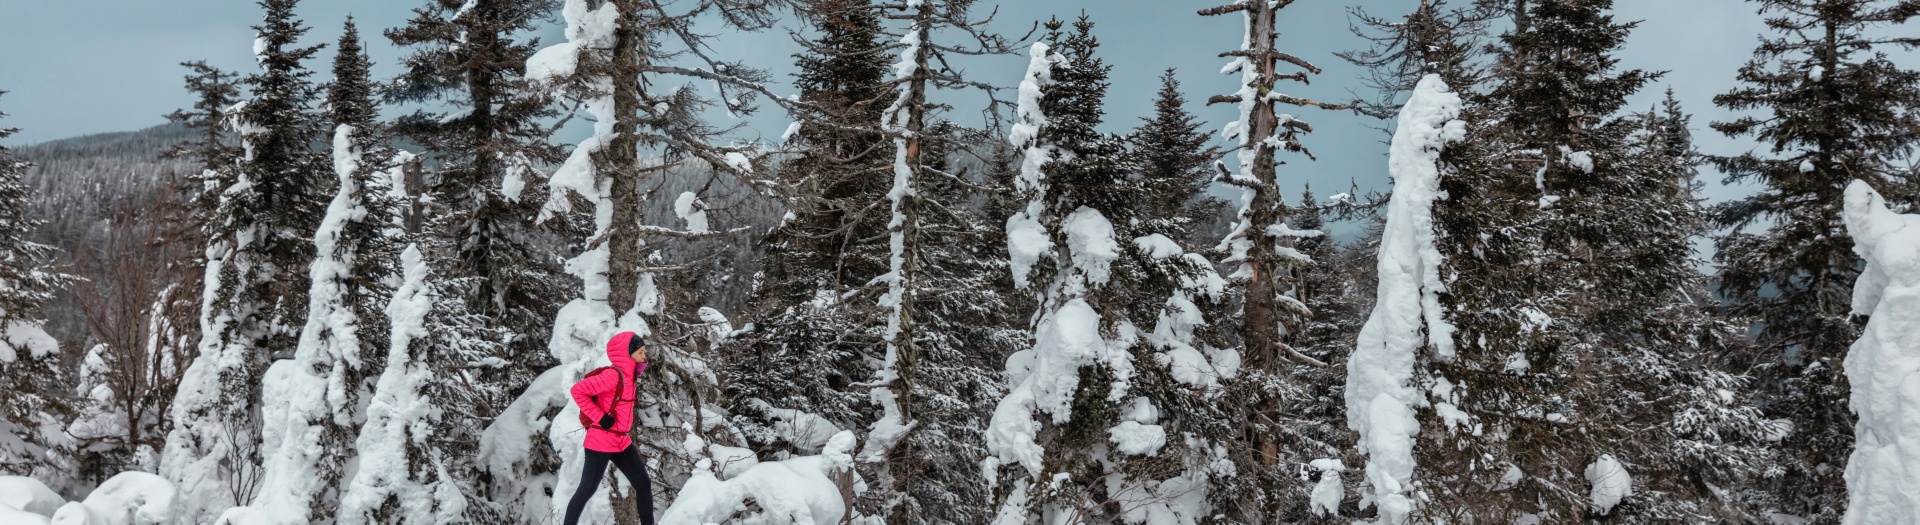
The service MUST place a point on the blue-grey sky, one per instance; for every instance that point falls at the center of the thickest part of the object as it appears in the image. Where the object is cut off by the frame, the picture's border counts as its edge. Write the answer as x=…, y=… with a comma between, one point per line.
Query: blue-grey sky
x=75, y=67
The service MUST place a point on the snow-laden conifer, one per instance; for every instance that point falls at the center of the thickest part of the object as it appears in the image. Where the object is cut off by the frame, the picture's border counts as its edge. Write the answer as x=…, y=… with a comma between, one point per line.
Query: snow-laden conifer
x=1827, y=104
x=258, y=236
x=1110, y=412
x=34, y=413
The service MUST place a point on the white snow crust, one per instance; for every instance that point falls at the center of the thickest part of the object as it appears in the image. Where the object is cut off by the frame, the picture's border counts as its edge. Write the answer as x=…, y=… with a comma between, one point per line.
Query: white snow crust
x=1380, y=395
x=1883, y=366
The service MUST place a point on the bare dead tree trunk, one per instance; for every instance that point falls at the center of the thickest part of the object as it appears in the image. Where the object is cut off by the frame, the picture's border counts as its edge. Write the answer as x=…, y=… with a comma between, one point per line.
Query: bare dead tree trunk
x=1271, y=314
x=621, y=160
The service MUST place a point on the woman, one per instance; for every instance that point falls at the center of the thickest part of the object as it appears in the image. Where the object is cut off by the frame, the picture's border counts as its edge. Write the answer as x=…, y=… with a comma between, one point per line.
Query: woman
x=606, y=398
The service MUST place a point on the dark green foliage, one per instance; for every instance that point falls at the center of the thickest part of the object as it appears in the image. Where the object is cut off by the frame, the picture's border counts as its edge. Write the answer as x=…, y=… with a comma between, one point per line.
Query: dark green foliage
x=1174, y=160
x=350, y=95
x=214, y=92
x=1831, y=107
x=485, y=154
x=1581, y=322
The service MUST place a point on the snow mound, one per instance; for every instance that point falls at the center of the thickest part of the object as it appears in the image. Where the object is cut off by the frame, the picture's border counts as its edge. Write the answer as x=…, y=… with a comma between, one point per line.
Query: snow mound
x=128, y=498
x=1138, y=439
x=799, y=491
x=1027, y=241
x=1090, y=240
x=29, y=495
x=13, y=516
x=1611, y=483
x=1883, y=474
x=1326, y=496
x=689, y=208
x=1044, y=379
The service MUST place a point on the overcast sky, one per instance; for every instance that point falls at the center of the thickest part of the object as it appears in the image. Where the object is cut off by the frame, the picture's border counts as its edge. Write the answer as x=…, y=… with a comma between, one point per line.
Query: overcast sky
x=75, y=67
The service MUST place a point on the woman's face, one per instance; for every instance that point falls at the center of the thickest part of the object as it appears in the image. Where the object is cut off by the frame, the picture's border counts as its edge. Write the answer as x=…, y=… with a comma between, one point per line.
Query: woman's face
x=639, y=354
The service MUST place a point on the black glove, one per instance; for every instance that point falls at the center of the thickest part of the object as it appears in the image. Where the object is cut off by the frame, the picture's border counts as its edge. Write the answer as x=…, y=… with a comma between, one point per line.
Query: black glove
x=606, y=421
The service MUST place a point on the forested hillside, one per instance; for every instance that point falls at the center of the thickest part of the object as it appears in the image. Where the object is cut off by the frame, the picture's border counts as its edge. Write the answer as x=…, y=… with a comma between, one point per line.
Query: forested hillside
x=533, y=281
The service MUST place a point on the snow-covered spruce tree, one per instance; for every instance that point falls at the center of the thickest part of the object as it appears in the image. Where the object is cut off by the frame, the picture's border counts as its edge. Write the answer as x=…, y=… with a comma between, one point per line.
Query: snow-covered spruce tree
x=1173, y=158
x=1386, y=373
x=1337, y=287
x=1567, y=251
x=833, y=187
x=1114, y=412
x=1430, y=57
x=258, y=236
x=1710, y=433
x=470, y=57
x=967, y=323
x=430, y=402
x=309, y=438
x=428, y=405
x=1833, y=107
x=34, y=413
x=1260, y=249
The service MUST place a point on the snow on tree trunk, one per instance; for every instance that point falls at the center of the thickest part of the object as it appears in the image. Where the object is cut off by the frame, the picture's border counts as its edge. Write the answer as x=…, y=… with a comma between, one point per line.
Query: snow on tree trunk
x=584, y=322
x=901, y=119
x=129, y=498
x=1034, y=375
x=1380, y=391
x=1611, y=483
x=1883, y=367
x=307, y=404
x=1027, y=239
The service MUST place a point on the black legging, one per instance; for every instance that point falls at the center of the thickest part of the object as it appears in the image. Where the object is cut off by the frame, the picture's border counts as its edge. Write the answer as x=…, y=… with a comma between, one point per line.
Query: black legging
x=630, y=464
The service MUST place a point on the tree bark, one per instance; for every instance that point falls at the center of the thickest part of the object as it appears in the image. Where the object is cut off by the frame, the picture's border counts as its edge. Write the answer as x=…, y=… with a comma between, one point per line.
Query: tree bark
x=620, y=161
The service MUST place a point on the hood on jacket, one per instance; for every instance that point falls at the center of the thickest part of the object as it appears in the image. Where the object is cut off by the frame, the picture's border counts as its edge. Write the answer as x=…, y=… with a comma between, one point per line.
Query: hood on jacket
x=620, y=350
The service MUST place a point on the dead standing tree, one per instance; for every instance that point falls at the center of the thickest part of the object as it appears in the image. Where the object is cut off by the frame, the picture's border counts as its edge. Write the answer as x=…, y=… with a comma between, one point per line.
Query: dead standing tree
x=1261, y=242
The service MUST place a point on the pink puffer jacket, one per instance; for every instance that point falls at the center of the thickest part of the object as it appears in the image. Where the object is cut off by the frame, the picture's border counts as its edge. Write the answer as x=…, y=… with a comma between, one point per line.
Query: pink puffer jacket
x=594, y=393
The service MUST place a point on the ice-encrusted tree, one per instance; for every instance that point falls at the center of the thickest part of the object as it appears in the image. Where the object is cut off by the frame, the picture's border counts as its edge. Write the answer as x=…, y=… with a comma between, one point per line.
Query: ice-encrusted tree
x=431, y=399
x=1386, y=377
x=427, y=407
x=311, y=405
x=258, y=235
x=1880, y=473
x=1829, y=105
x=1113, y=412
x=35, y=412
